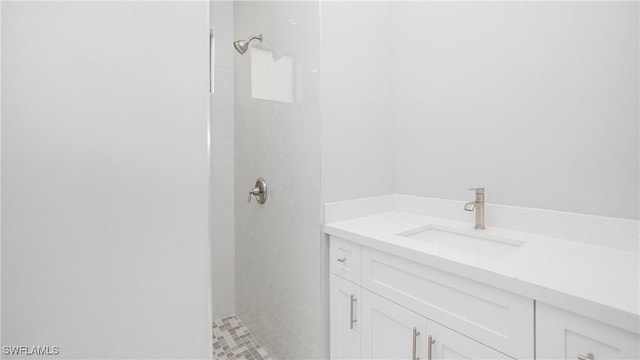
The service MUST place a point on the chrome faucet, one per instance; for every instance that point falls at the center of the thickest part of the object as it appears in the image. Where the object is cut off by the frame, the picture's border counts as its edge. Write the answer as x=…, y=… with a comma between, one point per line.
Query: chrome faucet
x=478, y=206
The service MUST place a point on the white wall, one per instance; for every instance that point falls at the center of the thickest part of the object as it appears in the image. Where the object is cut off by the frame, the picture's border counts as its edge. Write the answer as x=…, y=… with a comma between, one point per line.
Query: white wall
x=278, y=244
x=222, y=185
x=356, y=93
x=536, y=101
x=105, y=178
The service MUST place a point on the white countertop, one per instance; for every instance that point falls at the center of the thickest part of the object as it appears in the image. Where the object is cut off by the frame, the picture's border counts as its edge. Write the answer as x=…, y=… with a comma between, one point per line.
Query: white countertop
x=592, y=280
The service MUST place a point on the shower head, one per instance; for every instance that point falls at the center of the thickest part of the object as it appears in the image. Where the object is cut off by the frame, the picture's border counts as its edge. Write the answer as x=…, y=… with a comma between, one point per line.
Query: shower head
x=243, y=45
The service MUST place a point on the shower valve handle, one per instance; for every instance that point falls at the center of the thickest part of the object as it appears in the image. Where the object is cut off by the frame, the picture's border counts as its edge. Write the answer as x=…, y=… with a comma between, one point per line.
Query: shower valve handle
x=259, y=191
x=255, y=191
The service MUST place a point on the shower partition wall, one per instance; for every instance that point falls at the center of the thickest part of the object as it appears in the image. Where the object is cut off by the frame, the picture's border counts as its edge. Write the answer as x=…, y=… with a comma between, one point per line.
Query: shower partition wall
x=105, y=170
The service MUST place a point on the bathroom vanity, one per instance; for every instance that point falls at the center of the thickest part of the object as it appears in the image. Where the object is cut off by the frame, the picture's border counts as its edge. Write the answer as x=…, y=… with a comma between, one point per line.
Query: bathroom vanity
x=411, y=279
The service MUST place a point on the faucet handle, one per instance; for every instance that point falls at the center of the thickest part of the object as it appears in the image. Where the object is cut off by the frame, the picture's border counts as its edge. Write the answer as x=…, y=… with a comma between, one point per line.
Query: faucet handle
x=477, y=189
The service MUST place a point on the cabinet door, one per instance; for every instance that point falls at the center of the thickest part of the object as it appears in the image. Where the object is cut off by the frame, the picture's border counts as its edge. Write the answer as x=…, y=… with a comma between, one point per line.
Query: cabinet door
x=448, y=344
x=564, y=335
x=388, y=330
x=344, y=318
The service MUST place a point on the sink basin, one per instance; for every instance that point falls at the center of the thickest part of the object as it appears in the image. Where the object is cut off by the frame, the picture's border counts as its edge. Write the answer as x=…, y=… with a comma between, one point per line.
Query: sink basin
x=483, y=244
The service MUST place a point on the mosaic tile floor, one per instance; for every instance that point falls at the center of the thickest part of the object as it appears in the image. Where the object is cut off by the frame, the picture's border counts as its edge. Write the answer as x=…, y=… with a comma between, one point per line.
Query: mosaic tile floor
x=232, y=340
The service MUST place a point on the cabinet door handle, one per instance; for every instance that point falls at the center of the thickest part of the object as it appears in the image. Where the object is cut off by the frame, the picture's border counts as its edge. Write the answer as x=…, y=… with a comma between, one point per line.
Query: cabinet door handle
x=414, y=351
x=588, y=357
x=341, y=259
x=351, y=319
x=430, y=343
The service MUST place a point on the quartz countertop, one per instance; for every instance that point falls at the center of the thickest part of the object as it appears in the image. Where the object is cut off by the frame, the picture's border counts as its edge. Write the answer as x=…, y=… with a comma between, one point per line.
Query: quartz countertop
x=592, y=280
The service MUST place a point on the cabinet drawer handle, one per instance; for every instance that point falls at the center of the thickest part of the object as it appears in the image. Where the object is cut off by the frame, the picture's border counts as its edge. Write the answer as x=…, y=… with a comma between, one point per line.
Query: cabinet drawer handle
x=430, y=343
x=342, y=260
x=414, y=351
x=588, y=357
x=351, y=319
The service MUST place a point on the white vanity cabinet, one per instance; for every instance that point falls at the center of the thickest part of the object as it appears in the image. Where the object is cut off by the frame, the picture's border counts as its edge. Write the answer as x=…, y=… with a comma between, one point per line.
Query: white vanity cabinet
x=385, y=306
x=401, y=304
x=564, y=335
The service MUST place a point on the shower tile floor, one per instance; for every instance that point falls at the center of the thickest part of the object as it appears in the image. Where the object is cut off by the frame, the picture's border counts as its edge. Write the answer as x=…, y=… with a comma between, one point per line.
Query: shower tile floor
x=232, y=340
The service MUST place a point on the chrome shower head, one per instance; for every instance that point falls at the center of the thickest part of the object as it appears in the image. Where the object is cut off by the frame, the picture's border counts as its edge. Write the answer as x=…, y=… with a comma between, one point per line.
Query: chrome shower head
x=243, y=45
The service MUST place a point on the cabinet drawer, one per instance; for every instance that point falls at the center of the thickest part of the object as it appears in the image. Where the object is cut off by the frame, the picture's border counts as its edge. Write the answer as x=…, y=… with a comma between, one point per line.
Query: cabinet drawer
x=561, y=334
x=345, y=259
x=494, y=317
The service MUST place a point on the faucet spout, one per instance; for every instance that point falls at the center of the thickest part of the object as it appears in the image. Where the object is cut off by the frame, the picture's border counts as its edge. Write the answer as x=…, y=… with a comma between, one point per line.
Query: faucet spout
x=470, y=206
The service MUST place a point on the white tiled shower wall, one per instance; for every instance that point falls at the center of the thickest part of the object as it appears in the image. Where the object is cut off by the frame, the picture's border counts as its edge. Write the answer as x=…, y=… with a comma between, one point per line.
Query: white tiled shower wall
x=278, y=244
